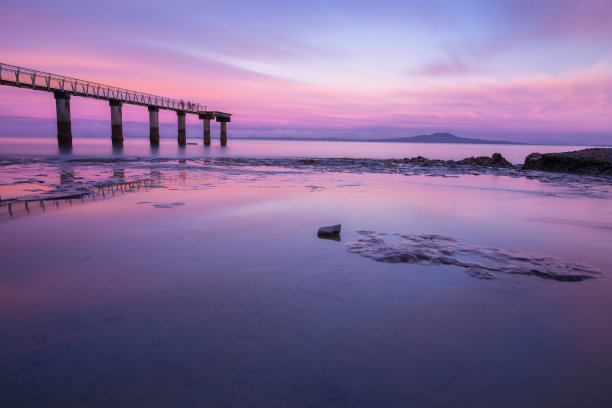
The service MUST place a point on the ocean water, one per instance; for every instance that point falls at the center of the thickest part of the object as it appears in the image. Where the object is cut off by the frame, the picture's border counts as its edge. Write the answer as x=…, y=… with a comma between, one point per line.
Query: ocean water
x=195, y=277
x=140, y=147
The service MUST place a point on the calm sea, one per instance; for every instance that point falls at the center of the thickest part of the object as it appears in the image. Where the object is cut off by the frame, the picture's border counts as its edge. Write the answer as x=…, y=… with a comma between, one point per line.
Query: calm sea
x=270, y=148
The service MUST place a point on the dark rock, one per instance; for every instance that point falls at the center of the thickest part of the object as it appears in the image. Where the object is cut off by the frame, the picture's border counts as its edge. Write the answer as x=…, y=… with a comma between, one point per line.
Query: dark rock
x=595, y=161
x=419, y=159
x=497, y=160
x=307, y=162
x=332, y=231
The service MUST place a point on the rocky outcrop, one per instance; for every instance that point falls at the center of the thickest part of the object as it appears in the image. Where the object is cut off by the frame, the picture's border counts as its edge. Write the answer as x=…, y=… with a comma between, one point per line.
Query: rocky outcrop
x=497, y=160
x=596, y=161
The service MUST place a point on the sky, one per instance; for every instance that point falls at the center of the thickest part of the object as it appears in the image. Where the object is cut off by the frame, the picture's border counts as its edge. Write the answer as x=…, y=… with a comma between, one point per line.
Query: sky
x=521, y=70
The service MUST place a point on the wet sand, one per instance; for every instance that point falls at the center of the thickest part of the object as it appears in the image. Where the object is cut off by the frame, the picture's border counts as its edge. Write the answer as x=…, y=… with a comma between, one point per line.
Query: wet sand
x=211, y=288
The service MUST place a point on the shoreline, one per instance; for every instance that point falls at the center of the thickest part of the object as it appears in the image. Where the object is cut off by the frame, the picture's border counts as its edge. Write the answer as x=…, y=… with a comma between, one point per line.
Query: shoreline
x=81, y=177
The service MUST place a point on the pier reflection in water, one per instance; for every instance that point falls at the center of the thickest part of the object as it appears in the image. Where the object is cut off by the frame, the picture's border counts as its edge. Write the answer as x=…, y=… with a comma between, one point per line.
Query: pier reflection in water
x=66, y=176
x=18, y=208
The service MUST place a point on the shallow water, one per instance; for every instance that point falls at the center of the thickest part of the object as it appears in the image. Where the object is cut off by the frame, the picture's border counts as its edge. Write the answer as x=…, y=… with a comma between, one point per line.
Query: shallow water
x=203, y=283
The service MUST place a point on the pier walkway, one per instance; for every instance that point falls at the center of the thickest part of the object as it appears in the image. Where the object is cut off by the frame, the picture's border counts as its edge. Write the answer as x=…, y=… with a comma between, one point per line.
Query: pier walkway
x=64, y=87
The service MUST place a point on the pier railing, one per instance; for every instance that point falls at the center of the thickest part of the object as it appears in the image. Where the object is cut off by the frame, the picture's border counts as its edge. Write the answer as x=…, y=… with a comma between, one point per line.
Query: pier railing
x=43, y=81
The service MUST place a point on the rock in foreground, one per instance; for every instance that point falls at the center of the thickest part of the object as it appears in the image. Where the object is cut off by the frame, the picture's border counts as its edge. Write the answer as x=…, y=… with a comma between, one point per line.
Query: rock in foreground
x=596, y=161
x=331, y=231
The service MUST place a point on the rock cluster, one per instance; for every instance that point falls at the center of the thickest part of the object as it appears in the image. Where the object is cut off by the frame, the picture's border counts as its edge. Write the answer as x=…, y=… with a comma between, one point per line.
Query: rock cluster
x=595, y=161
x=497, y=160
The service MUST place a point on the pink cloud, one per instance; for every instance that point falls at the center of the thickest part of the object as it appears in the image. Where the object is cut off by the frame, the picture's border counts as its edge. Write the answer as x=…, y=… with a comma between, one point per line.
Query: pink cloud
x=445, y=68
x=583, y=20
x=583, y=102
x=579, y=102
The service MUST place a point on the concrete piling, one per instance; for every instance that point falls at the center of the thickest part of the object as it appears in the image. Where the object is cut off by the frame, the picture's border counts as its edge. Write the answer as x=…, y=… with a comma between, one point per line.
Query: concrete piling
x=182, y=133
x=206, y=117
x=206, y=132
x=223, y=122
x=116, y=122
x=223, y=133
x=64, y=126
x=154, y=125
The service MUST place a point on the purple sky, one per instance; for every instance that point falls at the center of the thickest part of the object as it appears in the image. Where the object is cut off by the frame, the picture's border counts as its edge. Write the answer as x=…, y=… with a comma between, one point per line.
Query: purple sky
x=537, y=71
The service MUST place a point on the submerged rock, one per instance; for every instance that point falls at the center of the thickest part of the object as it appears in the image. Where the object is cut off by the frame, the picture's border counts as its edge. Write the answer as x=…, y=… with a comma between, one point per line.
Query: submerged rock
x=595, y=161
x=497, y=160
x=332, y=231
x=477, y=261
x=157, y=204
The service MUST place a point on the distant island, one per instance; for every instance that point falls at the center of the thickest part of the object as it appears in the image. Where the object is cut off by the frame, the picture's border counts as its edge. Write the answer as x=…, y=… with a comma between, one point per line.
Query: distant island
x=443, y=138
x=433, y=138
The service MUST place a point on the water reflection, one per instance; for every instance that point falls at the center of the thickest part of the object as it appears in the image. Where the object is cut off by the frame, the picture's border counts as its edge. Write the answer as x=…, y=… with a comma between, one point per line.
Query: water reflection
x=232, y=297
x=275, y=148
x=119, y=173
x=64, y=150
x=330, y=237
x=117, y=150
x=66, y=176
x=13, y=209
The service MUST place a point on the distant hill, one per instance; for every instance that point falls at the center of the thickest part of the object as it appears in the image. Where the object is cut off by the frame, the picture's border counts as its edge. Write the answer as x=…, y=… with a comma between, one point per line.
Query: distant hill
x=442, y=138
x=433, y=138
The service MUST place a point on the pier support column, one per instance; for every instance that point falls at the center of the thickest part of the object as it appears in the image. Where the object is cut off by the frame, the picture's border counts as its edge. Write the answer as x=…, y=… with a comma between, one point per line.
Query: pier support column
x=64, y=126
x=182, y=133
x=116, y=122
x=223, y=121
x=154, y=125
x=223, y=138
x=206, y=117
x=206, y=132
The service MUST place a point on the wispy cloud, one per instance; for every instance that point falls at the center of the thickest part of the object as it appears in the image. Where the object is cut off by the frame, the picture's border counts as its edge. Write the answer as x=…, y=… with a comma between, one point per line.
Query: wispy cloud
x=453, y=66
